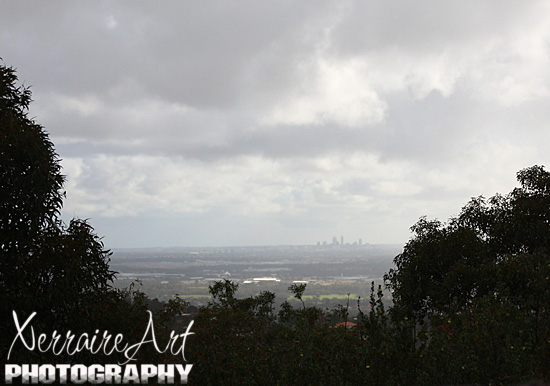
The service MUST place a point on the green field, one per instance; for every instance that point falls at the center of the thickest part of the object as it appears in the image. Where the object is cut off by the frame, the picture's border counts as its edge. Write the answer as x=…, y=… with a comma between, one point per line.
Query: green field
x=337, y=296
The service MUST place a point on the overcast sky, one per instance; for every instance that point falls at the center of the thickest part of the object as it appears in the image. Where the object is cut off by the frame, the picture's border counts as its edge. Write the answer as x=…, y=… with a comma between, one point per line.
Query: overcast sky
x=285, y=122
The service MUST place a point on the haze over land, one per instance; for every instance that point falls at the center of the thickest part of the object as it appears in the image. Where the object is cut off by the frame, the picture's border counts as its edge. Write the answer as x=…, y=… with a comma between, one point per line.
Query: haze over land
x=271, y=123
x=297, y=262
x=331, y=271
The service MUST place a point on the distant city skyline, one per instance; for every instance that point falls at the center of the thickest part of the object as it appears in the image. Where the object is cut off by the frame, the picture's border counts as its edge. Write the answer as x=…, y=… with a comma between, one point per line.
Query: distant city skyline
x=277, y=122
x=341, y=242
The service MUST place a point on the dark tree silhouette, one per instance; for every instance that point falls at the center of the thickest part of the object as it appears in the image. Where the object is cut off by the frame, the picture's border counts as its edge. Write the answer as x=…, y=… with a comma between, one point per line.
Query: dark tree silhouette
x=45, y=266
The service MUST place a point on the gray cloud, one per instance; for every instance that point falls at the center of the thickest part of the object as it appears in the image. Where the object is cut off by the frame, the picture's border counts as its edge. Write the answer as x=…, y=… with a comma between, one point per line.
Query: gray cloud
x=289, y=119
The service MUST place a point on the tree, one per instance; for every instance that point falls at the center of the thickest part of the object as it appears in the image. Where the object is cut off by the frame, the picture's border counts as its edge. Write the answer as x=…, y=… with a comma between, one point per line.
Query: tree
x=30, y=179
x=59, y=271
x=56, y=270
x=298, y=291
x=482, y=284
x=462, y=260
x=440, y=264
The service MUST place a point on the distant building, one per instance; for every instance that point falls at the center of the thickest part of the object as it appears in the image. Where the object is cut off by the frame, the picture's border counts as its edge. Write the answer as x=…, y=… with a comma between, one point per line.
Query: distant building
x=265, y=279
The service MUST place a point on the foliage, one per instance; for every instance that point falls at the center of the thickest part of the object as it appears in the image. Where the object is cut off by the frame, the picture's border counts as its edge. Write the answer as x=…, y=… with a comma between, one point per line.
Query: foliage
x=461, y=260
x=59, y=271
x=45, y=266
x=471, y=306
x=481, y=283
x=298, y=291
